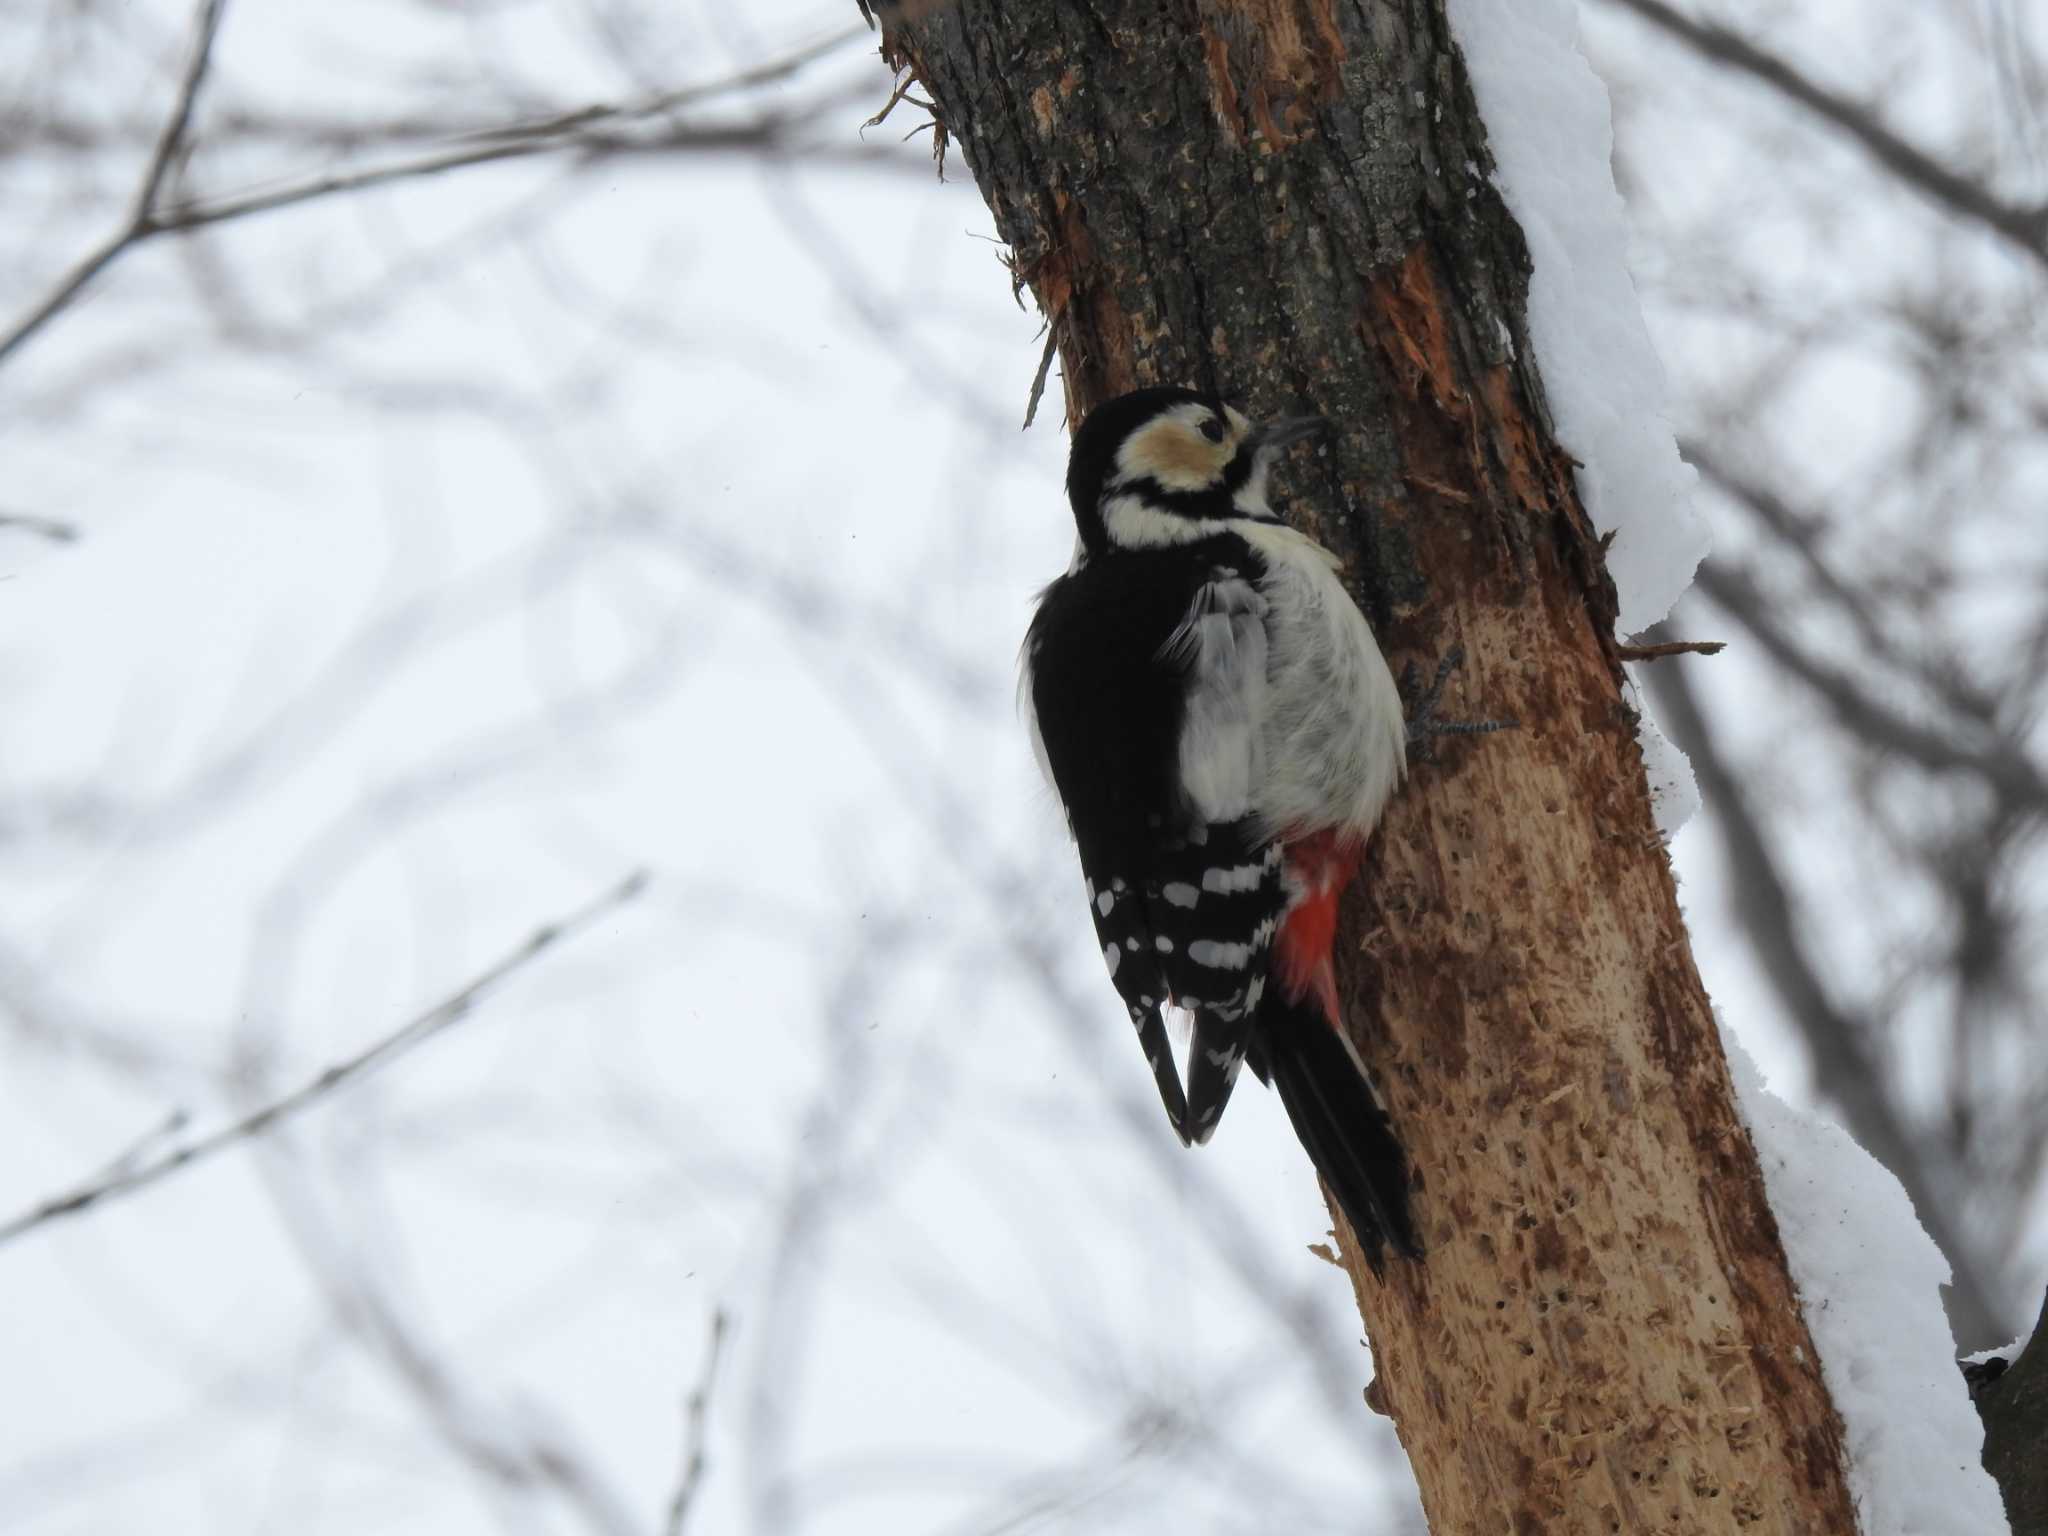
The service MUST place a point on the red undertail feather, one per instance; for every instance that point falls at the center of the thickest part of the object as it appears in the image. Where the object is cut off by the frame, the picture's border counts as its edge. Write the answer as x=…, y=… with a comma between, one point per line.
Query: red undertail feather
x=1318, y=868
x=1334, y=1109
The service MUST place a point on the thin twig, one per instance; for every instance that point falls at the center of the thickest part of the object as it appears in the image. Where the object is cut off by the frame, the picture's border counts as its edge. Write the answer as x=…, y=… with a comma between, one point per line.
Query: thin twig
x=123, y=1181
x=696, y=1410
x=671, y=101
x=142, y=215
x=897, y=92
x=1671, y=648
x=339, y=133
x=1052, y=346
x=2026, y=227
x=171, y=142
x=583, y=131
x=763, y=134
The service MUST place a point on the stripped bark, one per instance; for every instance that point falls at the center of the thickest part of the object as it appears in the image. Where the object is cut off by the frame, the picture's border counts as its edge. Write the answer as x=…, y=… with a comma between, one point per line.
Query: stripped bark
x=1287, y=201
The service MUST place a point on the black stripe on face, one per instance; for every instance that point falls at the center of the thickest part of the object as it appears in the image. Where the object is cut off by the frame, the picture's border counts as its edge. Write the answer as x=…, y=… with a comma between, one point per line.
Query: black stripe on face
x=1239, y=470
x=1218, y=499
x=1209, y=502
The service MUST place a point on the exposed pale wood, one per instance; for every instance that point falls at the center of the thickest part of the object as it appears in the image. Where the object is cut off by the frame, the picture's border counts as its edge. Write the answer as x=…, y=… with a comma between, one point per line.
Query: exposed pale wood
x=1287, y=201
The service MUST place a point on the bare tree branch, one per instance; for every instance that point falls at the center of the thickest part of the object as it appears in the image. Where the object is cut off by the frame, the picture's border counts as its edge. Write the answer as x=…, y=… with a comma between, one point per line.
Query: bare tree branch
x=315, y=130
x=1663, y=648
x=1800, y=533
x=125, y=1179
x=771, y=135
x=687, y=96
x=1843, y=1068
x=142, y=215
x=509, y=1444
x=2025, y=227
x=2001, y=764
x=696, y=1411
x=171, y=142
x=596, y=132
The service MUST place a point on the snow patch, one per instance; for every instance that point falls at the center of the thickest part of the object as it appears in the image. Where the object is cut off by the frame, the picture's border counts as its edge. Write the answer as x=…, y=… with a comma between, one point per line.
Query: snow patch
x=1870, y=1281
x=1548, y=125
x=1552, y=137
x=1674, y=793
x=2006, y=1352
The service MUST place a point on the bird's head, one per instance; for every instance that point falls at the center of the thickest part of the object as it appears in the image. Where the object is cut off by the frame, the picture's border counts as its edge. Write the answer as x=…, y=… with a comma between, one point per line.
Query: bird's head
x=1166, y=466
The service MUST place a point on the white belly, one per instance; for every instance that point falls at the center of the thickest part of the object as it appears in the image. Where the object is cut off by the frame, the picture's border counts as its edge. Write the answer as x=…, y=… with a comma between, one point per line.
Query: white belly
x=1335, y=740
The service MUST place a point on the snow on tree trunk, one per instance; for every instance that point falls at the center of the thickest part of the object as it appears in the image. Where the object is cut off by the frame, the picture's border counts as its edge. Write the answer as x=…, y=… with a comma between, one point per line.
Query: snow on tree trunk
x=1290, y=202
x=1871, y=1279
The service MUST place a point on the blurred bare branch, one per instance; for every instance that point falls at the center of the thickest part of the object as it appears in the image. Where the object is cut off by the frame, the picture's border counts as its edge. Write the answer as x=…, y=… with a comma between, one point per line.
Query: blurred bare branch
x=2025, y=227
x=696, y=1412
x=1843, y=1062
x=1958, y=748
x=645, y=126
x=144, y=212
x=512, y=1449
x=661, y=103
x=767, y=135
x=127, y=1178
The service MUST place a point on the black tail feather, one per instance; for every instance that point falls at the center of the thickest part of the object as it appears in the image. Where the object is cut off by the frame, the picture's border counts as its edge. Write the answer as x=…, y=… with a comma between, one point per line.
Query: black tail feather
x=1159, y=1057
x=1216, y=1050
x=1341, y=1125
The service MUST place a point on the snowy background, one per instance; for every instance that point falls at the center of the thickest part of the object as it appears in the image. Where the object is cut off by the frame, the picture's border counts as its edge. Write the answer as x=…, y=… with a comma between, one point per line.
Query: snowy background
x=387, y=575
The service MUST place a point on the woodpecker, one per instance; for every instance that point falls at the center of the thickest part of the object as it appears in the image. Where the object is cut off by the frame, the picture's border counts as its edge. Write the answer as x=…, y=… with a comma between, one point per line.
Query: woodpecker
x=1223, y=733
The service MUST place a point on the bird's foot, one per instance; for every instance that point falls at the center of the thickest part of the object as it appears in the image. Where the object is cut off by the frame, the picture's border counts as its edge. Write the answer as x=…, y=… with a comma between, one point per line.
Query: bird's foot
x=1424, y=728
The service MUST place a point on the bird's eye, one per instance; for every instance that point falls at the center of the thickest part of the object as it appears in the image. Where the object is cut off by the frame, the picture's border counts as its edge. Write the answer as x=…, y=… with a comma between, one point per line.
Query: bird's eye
x=1212, y=429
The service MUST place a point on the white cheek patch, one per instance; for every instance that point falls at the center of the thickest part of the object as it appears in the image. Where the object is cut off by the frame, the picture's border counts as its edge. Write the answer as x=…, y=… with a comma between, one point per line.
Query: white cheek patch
x=1250, y=500
x=1133, y=523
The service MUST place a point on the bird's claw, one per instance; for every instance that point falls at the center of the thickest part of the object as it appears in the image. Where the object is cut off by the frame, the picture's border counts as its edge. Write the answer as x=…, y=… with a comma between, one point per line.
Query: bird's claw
x=1424, y=728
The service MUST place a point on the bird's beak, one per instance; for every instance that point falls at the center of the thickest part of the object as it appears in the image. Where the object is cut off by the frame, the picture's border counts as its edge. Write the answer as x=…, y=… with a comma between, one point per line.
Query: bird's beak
x=1278, y=433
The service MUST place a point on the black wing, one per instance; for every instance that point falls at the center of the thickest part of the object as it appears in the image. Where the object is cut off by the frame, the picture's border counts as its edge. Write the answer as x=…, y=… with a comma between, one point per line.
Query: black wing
x=1184, y=904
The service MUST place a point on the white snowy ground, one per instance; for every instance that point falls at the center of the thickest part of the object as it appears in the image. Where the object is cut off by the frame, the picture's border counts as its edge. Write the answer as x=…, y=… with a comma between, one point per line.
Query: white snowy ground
x=738, y=606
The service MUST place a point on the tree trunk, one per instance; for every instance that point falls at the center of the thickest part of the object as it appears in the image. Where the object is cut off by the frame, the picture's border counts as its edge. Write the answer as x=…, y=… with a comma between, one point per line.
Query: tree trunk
x=1287, y=201
x=2015, y=1410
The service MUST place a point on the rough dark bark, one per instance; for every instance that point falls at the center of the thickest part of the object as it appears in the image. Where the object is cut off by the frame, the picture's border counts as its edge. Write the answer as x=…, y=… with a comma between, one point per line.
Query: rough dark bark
x=1288, y=201
x=2015, y=1412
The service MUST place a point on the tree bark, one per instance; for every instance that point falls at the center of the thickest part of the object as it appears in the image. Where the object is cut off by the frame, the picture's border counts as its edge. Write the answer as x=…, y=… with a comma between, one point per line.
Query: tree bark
x=2015, y=1412
x=1288, y=202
